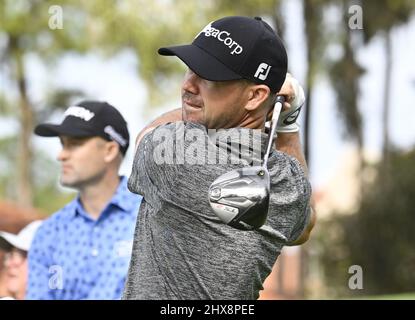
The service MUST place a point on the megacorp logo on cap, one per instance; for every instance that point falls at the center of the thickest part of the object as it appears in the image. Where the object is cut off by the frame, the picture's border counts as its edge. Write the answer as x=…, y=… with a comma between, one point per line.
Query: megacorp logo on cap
x=222, y=36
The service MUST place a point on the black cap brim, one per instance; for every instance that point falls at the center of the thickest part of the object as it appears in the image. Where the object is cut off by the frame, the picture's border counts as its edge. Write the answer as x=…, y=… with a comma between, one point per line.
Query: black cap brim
x=53, y=130
x=200, y=62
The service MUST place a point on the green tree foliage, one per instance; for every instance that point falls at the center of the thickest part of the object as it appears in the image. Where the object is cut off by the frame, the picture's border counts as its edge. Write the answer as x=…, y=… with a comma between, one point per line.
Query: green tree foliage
x=383, y=15
x=315, y=38
x=146, y=26
x=379, y=237
x=26, y=29
x=344, y=74
x=379, y=18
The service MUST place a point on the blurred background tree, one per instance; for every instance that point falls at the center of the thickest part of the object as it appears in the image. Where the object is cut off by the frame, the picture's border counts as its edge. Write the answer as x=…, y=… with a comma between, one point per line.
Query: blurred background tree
x=25, y=31
x=379, y=237
x=382, y=22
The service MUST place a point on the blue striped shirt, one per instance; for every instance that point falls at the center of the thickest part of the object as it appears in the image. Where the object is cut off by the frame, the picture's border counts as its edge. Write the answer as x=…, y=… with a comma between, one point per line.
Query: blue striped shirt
x=75, y=257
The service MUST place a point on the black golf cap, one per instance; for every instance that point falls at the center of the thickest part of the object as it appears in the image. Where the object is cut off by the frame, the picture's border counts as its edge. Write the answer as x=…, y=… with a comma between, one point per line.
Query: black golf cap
x=236, y=48
x=90, y=119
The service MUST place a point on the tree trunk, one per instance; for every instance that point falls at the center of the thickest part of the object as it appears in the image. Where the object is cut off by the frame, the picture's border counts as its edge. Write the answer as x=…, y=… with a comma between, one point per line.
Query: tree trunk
x=386, y=95
x=25, y=155
x=310, y=24
x=310, y=27
x=279, y=20
x=354, y=84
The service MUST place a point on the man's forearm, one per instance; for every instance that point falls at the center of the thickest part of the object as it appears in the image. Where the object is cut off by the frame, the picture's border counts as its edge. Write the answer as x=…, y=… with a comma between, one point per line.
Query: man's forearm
x=290, y=143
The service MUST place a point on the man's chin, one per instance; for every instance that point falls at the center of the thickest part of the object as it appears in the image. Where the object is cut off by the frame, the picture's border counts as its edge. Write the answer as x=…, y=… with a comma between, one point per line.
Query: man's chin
x=68, y=183
x=192, y=114
x=192, y=118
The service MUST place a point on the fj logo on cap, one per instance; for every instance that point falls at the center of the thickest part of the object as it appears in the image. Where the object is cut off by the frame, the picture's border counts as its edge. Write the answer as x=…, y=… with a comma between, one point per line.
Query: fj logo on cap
x=79, y=112
x=262, y=71
x=222, y=36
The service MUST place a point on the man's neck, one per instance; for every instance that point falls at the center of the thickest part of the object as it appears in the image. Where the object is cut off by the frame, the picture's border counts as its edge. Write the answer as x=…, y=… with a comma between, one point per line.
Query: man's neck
x=95, y=197
x=253, y=123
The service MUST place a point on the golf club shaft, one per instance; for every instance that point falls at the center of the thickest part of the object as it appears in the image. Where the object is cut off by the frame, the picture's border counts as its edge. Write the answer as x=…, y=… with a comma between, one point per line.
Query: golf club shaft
x=274, y=120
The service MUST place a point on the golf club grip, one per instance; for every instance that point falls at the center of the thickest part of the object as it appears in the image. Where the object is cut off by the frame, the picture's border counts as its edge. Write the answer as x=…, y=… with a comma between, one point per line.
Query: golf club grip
x=275, y=115
x=279, y=103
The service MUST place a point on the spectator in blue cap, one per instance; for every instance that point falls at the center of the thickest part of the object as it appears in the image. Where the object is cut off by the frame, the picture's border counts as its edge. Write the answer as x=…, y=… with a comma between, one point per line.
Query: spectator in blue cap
x=83, y=250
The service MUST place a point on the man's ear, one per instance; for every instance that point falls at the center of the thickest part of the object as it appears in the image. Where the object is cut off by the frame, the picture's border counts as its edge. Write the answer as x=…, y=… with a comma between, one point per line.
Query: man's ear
x=256, y=96
x=112, y=151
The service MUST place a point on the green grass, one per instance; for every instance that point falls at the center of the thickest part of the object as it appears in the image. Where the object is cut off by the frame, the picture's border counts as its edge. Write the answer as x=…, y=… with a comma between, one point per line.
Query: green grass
x=400, y=296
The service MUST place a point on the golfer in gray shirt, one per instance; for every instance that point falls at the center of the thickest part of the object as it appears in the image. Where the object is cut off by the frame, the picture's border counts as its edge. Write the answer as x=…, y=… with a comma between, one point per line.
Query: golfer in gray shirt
x=182, y=250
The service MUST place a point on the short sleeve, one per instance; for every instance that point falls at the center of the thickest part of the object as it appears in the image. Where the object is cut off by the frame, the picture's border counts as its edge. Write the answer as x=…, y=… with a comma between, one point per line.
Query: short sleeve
x=290, y=196
x=171, y=164
x=154, y=168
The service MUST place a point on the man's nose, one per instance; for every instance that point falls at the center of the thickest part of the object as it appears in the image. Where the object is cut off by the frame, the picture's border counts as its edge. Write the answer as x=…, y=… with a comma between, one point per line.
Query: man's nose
x=191, y=82
x=63, y=154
